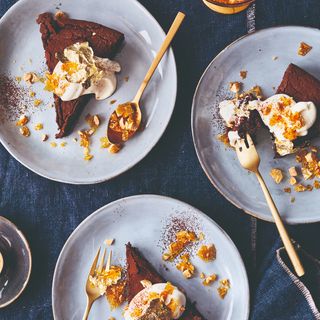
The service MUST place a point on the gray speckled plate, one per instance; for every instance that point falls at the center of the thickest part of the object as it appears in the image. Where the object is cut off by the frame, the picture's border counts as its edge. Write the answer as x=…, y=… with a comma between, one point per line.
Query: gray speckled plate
x=253, y=53
x=17, y=264
x=142, y=220
x=143, y=38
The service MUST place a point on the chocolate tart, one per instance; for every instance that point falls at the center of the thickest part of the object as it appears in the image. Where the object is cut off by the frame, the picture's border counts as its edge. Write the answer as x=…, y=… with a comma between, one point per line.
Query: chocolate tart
x=59, y=32
x=138, y=269
x=302, y=86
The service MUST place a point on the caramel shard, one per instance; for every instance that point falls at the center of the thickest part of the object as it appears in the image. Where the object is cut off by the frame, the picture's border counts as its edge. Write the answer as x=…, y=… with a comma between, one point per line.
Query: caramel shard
x=114, y=148
x=223, y=288
x=185, y=266
x=235, y=86
x=309, y=187
x=316, y=184
x=210, y=279
x=300, y=188
x=310, y=157
x=293, y=172
x=25, y=131
x=88, y=157
x=109, y=242
x=60, y=14
x=44, y=137
x=307, y=174
x=287, y=190
x=304, y=49
x=183, y=238
x=201, y=236
x=104, y=143
x=23, y=120
x=276, y=175
x=38, y=126
x=243, y=74
x=30, y=78
x=207, y=253
x=37, y=102
x=292, y=181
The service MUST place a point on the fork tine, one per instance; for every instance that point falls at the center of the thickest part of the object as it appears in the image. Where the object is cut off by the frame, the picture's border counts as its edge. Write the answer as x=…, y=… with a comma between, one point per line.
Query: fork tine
x=109, y=261
x=249, y=139
x=94, y=264
x=240, y=144
x=102, y=261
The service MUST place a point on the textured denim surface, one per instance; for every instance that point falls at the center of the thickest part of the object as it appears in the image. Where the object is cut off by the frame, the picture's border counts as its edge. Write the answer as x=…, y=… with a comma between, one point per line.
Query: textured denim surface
x=48, y=212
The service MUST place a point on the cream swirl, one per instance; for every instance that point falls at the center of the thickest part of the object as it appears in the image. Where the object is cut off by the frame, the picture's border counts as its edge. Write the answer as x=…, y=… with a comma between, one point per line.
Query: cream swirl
x=80, y=72
x=171, y=296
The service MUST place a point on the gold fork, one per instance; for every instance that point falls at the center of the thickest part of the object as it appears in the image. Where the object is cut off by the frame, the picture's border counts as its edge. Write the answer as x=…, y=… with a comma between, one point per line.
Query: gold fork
x=250, y=160
x=93, y=293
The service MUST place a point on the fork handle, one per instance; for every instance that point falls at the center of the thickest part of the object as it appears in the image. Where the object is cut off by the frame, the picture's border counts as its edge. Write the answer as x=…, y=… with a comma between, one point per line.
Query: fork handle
x=88, y=308
x=295, y=260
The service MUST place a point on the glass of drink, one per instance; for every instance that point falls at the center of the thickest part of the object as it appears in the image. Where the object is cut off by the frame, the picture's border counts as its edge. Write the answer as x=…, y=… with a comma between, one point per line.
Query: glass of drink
x=228, y=6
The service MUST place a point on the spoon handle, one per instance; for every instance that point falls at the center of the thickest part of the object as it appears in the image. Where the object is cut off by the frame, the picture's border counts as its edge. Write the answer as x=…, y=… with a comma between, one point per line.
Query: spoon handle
x=164, y=47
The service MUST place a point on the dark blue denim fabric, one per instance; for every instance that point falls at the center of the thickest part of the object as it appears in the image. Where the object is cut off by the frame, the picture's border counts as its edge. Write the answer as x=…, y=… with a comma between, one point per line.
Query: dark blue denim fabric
x=48, y=212
x=280, y=296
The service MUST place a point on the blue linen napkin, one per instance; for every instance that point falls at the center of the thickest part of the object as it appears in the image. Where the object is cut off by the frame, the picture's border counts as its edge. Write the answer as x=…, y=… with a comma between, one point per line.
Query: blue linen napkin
x=280, y=294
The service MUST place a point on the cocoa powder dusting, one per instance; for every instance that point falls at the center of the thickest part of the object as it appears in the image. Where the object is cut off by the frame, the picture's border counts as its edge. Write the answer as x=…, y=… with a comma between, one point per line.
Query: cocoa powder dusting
x=14, y=99
x=176, y=223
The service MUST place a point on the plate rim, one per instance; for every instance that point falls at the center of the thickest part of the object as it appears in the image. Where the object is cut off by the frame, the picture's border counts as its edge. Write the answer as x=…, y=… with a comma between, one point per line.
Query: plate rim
x=196, y=147
x=159, y=197
x=171, y=57
x=25, y=241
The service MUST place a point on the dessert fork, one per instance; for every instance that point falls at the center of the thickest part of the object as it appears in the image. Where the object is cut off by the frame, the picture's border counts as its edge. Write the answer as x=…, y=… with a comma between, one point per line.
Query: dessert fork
x=93, y=293
x=250, y=160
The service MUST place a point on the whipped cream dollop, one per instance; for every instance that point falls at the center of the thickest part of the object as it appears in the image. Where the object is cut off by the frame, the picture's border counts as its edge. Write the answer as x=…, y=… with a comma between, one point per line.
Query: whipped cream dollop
x=173, y=299
x=286, y=119
x=80, y=72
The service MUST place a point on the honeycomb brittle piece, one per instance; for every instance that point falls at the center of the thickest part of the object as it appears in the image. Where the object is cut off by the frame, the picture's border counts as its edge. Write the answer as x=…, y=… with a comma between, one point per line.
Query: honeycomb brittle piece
x=304, y=49
x=276, y=175
x=209, y=279
x=207, y=252
x=185, y=266
x=293, y=172
x=24, y=131
x=235, y=86
x=23, y=120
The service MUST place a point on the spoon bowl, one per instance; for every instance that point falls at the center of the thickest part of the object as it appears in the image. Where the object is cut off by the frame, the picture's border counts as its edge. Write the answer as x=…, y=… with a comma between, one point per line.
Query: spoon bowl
x=124, y=123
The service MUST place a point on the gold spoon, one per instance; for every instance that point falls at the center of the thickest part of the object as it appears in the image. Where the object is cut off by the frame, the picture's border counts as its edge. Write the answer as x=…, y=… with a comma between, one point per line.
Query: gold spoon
x=126, y=119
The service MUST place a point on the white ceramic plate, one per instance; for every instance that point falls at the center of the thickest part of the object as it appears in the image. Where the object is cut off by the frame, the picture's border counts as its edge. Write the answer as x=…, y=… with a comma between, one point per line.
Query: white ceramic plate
x=143, y=38
x=253, y=53
x=142, y=220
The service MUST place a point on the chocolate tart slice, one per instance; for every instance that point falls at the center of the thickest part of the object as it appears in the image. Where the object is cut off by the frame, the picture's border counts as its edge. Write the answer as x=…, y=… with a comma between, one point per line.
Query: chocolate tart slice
x=302, y=86
x=59, y=32
x=138, y=269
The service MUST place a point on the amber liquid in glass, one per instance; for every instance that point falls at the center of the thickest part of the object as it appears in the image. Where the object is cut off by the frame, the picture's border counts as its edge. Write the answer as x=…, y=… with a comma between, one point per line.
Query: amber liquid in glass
x=227, y=6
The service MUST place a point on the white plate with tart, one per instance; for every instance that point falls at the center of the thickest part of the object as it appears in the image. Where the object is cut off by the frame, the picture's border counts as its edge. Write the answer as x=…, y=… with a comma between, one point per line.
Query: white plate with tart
x=61, y=64
x=271, y=90
x=142, y=229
